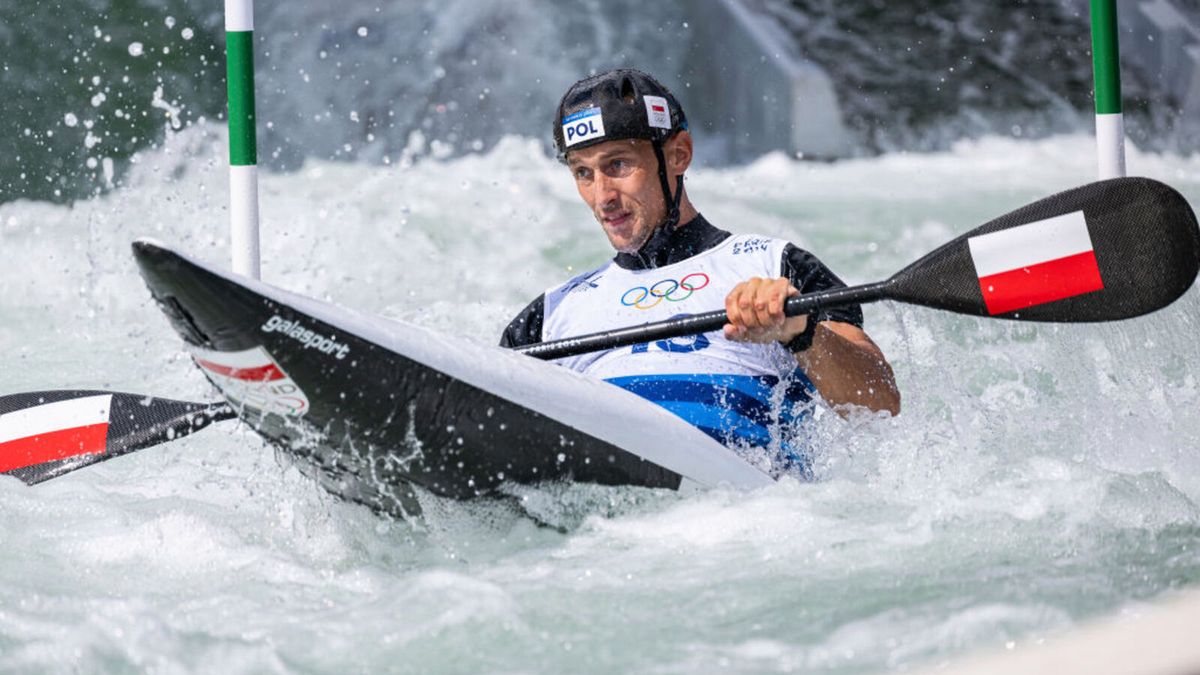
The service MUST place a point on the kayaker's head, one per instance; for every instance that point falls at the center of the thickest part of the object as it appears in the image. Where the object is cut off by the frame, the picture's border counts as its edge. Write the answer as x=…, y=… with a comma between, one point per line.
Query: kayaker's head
x=624, y=136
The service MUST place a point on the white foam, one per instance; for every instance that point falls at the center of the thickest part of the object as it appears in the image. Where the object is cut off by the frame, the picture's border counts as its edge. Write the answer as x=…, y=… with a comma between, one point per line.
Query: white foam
x=1038, y=474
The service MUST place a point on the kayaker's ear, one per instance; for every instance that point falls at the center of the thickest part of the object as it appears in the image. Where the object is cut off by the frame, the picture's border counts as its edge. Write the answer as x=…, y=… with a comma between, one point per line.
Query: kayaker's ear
x=678, y=152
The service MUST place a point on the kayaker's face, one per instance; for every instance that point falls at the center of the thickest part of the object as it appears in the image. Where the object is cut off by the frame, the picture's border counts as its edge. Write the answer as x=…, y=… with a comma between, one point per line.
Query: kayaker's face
x=619, y=181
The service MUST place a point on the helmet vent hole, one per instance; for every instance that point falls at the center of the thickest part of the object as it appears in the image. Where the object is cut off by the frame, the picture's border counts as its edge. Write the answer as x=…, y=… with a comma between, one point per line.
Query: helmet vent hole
x=627, y=92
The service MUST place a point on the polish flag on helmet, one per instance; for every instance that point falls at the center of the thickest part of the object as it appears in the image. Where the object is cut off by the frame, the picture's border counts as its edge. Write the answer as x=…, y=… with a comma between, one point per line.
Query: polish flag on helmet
x=657, y=113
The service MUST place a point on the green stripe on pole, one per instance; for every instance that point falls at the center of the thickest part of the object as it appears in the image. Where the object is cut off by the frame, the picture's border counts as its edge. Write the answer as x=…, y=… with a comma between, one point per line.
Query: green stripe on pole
x=239, y=48
x=1106, y=59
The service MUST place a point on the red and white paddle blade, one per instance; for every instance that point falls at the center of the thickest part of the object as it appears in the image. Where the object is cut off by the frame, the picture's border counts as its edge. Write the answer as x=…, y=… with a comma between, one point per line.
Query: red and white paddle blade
x=45, y=434
x=1110, y=250
x=52, y=430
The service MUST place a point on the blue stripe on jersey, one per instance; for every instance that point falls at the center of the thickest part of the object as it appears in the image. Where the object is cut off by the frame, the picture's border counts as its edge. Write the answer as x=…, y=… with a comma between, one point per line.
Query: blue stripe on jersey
x=724, y=424
x=747, y=398
x=736, y=410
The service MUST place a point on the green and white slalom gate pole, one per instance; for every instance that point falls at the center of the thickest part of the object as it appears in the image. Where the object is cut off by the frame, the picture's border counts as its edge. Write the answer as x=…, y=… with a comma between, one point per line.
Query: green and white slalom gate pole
x=243, y=150
x=1106, y=70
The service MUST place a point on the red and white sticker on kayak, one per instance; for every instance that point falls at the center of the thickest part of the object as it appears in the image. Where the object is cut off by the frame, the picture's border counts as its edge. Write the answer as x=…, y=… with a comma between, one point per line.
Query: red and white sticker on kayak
x=54, y=431
x=252, y=378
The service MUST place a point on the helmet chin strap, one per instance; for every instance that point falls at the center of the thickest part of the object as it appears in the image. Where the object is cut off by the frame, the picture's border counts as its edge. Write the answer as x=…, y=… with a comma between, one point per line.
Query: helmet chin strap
x=672, y=204
x=663, y=231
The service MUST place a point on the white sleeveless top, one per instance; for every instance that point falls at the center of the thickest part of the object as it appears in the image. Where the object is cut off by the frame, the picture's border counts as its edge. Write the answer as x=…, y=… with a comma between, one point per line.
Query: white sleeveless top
x=744, y=395
x=612, y=297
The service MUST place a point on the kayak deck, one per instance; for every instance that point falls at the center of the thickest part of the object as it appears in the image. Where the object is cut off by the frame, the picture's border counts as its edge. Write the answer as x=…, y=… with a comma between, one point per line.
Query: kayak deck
x=372, y=408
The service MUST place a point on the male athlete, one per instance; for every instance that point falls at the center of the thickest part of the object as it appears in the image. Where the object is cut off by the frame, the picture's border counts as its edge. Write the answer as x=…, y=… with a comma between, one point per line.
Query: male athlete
x=626, y=141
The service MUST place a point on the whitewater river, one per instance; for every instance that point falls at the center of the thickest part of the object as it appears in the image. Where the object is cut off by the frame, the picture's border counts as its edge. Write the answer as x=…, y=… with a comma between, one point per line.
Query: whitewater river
x=1038, y=476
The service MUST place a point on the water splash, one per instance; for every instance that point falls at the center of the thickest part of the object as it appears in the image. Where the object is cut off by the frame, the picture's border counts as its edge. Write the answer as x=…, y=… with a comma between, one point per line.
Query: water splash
x=1039, y=474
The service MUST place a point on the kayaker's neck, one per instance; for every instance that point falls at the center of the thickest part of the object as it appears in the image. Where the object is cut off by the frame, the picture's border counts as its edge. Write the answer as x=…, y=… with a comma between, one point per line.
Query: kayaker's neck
x=669, y=246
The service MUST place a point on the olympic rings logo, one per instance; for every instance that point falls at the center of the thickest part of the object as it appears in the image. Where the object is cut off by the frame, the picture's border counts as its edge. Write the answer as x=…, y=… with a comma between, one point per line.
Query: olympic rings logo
x=640, y=297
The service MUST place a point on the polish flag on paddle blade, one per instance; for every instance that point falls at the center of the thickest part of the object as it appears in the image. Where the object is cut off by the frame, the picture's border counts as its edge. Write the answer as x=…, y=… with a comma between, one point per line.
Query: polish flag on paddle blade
x=54, y=431
x=1037, y=263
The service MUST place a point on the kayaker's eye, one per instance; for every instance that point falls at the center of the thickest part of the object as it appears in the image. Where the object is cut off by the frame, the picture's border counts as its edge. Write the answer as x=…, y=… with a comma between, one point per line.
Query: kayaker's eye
x=619, y=168
x=582, y=173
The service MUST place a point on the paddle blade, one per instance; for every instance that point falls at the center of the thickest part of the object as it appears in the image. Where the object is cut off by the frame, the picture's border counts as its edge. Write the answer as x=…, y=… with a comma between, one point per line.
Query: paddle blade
x=45, y=434
x=1110, y=250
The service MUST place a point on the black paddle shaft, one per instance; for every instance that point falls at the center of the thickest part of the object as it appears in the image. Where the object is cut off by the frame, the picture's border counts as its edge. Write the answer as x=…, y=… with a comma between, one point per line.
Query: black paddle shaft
x=698, y=323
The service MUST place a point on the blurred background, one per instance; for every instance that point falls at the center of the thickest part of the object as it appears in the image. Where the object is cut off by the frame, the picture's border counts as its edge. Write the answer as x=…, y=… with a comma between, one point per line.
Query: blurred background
x=88, y=84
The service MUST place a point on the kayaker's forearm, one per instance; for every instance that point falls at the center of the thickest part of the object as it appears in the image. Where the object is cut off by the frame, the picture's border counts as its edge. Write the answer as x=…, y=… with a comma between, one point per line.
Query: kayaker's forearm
x=850, y=371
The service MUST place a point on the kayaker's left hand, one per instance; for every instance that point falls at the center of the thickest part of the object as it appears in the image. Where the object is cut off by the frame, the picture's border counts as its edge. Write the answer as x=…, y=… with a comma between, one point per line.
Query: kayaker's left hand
x=755, y=309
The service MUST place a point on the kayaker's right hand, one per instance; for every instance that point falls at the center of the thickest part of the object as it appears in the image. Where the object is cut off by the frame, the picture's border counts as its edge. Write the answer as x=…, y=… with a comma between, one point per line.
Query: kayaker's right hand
x=755, y=310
